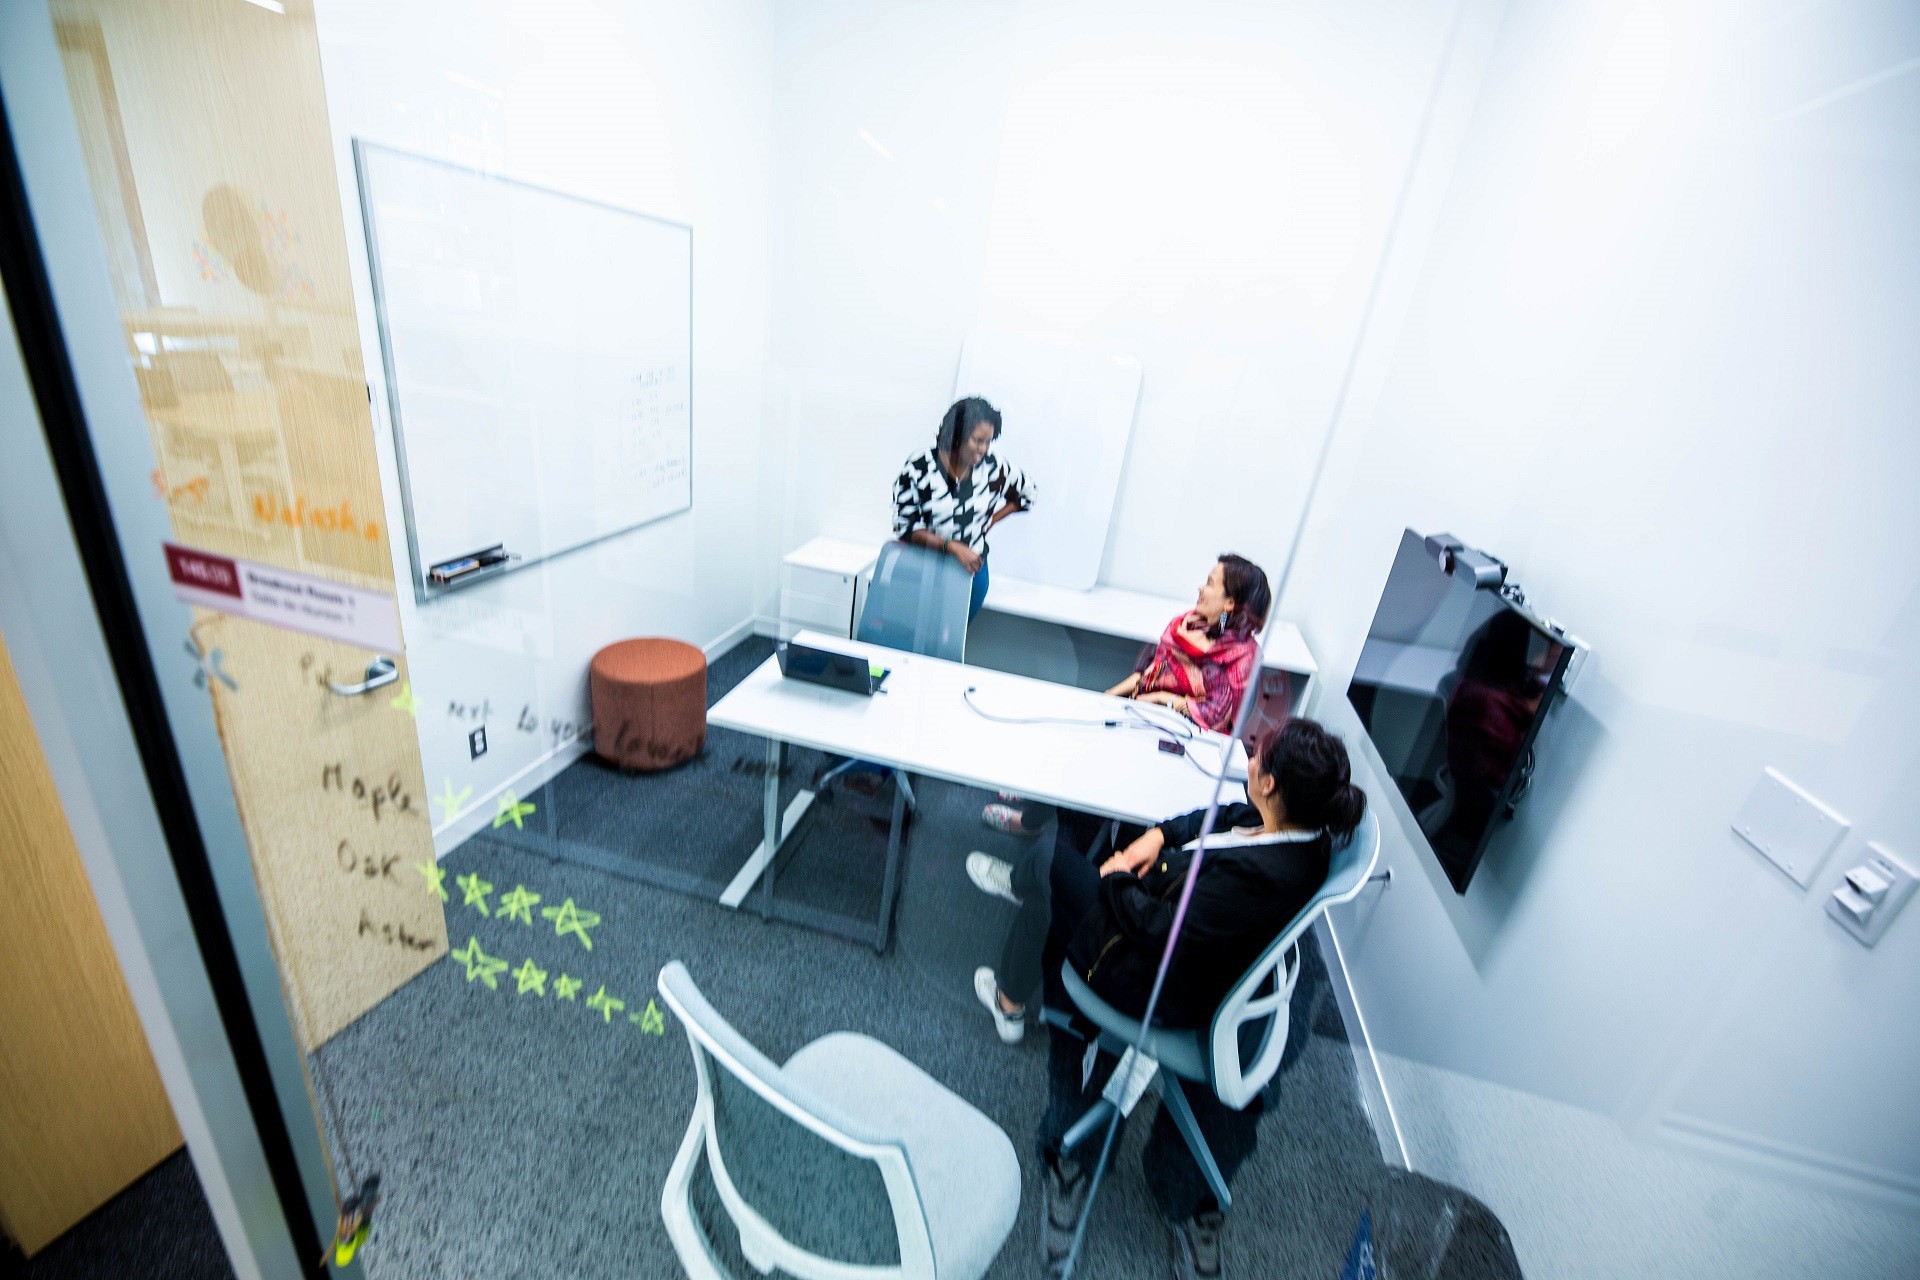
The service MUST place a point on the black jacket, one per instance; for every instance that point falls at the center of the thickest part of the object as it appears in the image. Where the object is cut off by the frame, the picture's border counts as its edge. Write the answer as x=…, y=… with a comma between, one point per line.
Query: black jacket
x=1246, y=894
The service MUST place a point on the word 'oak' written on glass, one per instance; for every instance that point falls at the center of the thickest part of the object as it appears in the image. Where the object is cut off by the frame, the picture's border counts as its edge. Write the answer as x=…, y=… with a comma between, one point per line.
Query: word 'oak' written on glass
x=372, y=866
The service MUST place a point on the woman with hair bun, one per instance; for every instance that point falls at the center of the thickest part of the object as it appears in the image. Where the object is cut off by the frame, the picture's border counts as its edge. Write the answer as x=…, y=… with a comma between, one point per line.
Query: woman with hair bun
x=1262, y=864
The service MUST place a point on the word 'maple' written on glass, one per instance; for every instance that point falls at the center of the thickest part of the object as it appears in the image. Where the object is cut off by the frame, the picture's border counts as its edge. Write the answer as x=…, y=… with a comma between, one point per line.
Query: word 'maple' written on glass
x=392, y=796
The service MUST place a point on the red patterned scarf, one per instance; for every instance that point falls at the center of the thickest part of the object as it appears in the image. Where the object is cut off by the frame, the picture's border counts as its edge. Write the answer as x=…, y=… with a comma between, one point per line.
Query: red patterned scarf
x=1212, y=680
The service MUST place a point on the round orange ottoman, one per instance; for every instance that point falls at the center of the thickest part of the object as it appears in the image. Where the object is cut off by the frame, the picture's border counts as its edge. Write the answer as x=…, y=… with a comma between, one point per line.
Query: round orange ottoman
x=649, y=703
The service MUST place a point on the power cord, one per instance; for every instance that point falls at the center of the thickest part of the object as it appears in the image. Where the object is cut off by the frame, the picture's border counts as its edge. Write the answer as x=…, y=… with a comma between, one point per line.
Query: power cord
x=984, y=714
x=1135, y=718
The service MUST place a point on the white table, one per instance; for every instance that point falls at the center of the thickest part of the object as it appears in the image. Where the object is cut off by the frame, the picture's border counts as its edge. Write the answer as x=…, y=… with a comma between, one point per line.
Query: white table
x=927, y=720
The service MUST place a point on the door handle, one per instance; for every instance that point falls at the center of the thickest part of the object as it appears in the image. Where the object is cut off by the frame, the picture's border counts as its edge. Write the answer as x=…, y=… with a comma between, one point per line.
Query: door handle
x=381, y=670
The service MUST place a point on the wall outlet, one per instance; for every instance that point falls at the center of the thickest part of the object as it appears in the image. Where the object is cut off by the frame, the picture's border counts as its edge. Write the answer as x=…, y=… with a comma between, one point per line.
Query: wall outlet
x=477, y=743
x=1792, y=829
x=1871, y=894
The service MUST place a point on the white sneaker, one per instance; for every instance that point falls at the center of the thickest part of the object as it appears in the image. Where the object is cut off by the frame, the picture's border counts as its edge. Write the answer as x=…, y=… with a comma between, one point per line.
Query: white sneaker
x=992, y=875
x=1010, y=1026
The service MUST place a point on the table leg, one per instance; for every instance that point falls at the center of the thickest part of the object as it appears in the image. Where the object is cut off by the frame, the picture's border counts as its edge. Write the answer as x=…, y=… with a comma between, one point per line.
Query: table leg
x=890, y=884
x=753, y=870
x=770, y=823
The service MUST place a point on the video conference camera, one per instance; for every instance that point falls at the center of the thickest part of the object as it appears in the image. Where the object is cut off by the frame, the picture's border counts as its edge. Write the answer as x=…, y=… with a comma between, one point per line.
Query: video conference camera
x=1461, y=560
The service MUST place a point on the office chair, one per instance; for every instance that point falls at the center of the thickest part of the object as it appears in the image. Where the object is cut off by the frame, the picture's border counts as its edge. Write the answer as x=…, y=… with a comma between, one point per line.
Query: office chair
x=846, y=1162
x=1256, y=1009
x=917, y=601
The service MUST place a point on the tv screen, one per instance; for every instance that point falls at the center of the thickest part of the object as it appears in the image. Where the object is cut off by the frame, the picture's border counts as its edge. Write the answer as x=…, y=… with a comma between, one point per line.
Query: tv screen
x=1452, y=685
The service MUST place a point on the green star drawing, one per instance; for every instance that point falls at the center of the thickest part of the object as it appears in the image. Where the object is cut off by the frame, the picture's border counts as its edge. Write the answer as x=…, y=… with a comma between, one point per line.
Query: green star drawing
x=566, y=986
x=405, y=701
x=569, y=919
x=511, y=810
x=650, y=1019
x=606, y=1004
x=450, y=802
x=531, y=977
x=517, y=905
x=476, y=890
x=479, y=964
x=436, y=877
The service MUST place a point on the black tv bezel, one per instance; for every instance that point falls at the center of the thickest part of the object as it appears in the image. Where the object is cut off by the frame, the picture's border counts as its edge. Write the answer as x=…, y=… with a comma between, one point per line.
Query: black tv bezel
x=1521, y=776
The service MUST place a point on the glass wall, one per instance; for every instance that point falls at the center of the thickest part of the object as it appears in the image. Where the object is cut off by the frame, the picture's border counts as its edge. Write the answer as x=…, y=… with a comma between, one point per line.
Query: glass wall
x=776, y=582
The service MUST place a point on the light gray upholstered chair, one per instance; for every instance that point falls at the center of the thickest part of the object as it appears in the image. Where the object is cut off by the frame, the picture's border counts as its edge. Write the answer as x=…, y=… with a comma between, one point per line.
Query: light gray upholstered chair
x=845, y=1163
x=1252, y=1017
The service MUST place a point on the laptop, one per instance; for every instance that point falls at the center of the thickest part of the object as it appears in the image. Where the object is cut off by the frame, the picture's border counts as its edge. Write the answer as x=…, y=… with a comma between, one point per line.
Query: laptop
x=834, y=670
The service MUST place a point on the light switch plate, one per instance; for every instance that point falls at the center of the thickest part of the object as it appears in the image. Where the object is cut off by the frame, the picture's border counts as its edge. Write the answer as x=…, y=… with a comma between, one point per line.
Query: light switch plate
x=1900, y=881
x=1792, y=829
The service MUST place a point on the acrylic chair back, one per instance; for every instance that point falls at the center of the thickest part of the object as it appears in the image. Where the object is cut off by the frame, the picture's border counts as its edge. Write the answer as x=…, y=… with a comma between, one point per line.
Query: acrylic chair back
x=917, y=601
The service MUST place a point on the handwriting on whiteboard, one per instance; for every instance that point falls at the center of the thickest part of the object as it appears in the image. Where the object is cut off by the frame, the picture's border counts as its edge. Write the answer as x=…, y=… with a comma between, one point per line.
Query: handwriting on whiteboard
x=656, y=413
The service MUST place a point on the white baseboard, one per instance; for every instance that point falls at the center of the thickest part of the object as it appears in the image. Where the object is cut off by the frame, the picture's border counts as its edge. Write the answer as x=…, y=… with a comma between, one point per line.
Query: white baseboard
x=1366, y=1066
x=1583, y=1197
x=1848, y=1178
x=747, y=626
x=479, y=815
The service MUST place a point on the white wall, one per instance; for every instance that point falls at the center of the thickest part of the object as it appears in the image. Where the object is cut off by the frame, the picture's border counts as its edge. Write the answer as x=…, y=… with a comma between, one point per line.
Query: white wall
x=1657, y=351
x=1205, y=186
x=665, y=109
x=1661, y=358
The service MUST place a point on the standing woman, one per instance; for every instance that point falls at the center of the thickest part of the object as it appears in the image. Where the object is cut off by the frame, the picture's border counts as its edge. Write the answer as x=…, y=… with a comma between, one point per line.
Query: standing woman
x=948, y=497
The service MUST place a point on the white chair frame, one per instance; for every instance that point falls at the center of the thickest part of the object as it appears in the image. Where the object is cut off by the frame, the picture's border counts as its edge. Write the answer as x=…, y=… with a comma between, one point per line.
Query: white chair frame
x=760, y=1241
x=1233, y=1084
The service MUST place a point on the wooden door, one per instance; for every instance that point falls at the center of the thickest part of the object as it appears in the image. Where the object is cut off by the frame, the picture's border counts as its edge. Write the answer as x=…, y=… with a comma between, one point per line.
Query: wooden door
x=82, y=1111
x=204, y=130
x=337, y=819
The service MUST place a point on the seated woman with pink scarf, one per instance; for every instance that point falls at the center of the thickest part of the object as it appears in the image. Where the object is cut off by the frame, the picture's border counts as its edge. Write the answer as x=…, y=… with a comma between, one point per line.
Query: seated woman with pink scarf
x=1200, y=668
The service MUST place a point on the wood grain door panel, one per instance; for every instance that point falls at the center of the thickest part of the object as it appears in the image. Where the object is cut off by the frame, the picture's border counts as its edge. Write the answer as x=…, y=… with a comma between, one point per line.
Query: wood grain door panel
x=82, y=1110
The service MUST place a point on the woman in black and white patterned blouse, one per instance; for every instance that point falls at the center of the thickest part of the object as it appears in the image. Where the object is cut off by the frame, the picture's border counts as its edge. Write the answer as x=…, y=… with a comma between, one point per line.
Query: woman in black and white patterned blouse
x=948, y=497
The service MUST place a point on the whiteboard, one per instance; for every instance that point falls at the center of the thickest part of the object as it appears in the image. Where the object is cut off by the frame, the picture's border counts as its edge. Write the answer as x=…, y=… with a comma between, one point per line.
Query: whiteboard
x=1067, y=415
x=538, y=352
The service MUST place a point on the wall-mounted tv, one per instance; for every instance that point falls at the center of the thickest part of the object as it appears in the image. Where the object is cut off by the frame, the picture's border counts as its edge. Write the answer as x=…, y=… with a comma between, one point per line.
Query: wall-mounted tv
x=1453, y=684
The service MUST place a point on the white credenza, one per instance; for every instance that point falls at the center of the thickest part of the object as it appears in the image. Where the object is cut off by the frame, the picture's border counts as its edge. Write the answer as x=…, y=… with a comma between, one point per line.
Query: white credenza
x=823, y=584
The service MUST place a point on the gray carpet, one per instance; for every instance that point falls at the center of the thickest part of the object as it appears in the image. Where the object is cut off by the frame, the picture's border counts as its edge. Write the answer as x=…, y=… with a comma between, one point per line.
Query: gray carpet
x=159, y=1228
x=525, y=1136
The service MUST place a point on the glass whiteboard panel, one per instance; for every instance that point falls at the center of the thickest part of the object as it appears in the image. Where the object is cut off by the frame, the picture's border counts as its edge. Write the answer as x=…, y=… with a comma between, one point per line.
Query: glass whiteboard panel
x=538, y=351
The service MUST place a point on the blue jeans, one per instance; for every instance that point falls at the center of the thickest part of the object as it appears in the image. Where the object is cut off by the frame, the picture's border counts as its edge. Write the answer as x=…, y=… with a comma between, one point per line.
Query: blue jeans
x=979, y=590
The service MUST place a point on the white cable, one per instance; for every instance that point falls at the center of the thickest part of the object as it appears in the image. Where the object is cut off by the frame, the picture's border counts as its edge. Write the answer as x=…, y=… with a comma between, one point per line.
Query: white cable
x=1134, y=718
